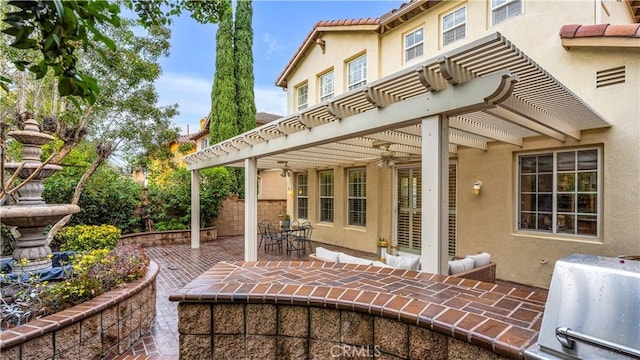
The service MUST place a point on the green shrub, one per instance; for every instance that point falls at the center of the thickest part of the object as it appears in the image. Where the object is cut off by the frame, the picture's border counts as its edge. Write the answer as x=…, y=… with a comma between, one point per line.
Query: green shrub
x=86, y=237
x=107, y=198
x=173, y=224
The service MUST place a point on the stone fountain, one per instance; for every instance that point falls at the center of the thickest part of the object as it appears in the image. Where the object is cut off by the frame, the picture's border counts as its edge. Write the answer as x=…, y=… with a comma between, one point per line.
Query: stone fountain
x=31, y=215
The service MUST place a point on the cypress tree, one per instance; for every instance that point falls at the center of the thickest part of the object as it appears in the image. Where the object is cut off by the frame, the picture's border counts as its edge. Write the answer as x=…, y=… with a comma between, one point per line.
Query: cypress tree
x=224, y=109
x=243, y=55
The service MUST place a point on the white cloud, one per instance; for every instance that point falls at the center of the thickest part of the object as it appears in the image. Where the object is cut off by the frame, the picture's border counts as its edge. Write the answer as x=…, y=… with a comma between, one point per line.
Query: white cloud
x=193, y=95
x=272, y=100
x=272, y=44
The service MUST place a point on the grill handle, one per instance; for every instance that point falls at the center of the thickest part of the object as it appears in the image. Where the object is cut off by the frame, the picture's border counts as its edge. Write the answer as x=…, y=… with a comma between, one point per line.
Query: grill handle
x=568, y=337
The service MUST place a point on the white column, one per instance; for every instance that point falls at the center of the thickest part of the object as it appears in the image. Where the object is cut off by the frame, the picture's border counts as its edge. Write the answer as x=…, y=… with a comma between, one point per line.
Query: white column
x=251, y=209
x=195, y=209
x=435, y=199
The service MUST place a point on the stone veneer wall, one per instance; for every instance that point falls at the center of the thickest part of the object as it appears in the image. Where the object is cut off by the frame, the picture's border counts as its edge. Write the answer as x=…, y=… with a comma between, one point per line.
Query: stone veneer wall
x=170, y=237
x=272, y=331
x=102, y=327
x=230, y=221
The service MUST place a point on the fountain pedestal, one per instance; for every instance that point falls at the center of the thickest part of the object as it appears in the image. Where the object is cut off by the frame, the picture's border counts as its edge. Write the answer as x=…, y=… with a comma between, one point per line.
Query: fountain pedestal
x=31, y=215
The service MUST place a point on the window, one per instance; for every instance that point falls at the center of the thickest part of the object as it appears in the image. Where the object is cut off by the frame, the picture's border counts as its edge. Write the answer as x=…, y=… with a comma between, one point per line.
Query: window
x=454, y=26
x=302, y=196
x=303, y=96
x=357, y=72
x=559, y=192
x=326, y=86
x=414, y=44
x=326, y=195
x=357, y=197
x=502, y=10
x=204, y=143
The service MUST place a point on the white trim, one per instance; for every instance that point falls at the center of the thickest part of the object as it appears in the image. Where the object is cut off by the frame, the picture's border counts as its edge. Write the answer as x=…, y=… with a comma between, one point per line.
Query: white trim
x=455, y=26
x=414, y=46
x=362, y=72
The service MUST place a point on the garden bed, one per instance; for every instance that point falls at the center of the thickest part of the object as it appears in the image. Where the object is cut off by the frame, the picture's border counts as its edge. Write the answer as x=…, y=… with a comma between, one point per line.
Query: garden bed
x=103, y=326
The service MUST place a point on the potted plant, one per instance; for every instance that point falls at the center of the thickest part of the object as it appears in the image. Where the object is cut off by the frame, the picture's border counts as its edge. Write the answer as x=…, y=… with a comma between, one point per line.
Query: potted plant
x=286, y=221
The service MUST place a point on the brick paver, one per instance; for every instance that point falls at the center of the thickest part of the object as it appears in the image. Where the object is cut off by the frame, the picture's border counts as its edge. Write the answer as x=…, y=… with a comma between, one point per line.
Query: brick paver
x=179, y=264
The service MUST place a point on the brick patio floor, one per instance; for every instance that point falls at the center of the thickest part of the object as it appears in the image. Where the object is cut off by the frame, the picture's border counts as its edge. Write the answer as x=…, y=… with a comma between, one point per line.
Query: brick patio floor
x=179, y=264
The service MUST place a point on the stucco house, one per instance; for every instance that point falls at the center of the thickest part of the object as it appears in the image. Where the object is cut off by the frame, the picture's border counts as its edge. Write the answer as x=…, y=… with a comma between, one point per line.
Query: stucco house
x=455, y=127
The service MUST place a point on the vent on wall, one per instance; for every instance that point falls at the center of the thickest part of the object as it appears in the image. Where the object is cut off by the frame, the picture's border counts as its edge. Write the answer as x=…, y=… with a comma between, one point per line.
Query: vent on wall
x=610, y=77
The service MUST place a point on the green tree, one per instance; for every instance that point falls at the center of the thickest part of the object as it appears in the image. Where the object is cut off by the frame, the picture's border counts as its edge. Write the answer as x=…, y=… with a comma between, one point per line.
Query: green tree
x=170, y=197
x=243, y=56
x=224, y=110
x=58, y=29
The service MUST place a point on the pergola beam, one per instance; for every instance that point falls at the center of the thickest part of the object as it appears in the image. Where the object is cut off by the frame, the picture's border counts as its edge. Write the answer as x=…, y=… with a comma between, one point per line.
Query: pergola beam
x=467, y=97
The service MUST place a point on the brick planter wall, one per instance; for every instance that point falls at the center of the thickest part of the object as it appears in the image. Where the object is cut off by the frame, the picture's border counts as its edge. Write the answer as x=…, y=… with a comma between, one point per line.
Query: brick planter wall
x=104, y=326
x=170, y=237
x=267, y=331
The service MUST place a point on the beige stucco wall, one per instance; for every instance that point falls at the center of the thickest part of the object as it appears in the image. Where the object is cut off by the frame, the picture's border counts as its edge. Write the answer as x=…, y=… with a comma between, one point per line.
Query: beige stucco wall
x=340, y=48
x=488, y=222
x=271, y=186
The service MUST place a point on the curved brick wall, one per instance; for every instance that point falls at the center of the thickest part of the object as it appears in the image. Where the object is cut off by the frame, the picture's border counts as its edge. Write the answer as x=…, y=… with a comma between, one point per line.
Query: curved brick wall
x=103, y=326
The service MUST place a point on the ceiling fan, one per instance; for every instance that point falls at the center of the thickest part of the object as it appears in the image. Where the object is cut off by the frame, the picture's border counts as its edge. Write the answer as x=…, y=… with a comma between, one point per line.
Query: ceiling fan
x=389, y=158
x=286, y=170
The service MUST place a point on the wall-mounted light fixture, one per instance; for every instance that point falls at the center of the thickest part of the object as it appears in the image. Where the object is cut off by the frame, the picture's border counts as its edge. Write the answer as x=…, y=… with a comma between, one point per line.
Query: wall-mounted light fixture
x=286, y=172
x=477, y=186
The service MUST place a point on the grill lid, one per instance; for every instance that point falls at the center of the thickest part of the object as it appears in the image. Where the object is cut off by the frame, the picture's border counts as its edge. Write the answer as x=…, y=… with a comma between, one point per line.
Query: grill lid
x=592, y=310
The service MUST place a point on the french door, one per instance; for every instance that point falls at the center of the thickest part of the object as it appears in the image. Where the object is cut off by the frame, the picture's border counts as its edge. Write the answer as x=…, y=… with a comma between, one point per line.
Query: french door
x=409, y=210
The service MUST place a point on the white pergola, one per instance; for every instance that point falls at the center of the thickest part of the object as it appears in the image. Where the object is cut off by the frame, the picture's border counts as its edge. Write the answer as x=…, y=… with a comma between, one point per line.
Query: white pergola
x=485, y=91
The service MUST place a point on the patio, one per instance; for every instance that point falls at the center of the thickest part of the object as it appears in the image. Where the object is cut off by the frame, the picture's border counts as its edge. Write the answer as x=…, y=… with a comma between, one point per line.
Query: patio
x=179, y=264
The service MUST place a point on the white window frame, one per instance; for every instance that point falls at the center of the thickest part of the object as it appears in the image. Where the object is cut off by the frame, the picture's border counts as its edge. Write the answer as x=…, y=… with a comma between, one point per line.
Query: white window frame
x=302, y=96
x=555, y=192
x=302, y=193
x=415, y=46
x=204, y=143
x=326, y=192
x=361, y=198
x=454, y=27
x=326, y=85
x=359, y=66
x=506, y=3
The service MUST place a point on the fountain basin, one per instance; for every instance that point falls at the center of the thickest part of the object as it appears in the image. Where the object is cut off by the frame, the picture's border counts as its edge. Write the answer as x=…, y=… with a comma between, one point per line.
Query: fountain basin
x=35, y=215
x=30, y=167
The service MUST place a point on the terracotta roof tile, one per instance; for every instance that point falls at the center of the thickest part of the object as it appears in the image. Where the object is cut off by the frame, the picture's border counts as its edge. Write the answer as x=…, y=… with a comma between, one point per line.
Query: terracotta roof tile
x=599, y=30
x=626, y=30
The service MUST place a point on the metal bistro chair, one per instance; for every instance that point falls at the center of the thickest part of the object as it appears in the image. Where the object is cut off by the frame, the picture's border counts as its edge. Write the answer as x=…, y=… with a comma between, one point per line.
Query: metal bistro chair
x=262, y=230
x=273, y=238
x=301, y=238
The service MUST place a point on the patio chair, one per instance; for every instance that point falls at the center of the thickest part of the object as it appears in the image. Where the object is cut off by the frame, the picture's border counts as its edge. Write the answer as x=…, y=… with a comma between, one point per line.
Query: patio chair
x=273, y=238
x=262, y=230
x=301, y=238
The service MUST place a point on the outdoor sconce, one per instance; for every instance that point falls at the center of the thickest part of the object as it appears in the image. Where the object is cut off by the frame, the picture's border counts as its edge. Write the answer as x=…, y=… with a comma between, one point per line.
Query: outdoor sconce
x=476, y=187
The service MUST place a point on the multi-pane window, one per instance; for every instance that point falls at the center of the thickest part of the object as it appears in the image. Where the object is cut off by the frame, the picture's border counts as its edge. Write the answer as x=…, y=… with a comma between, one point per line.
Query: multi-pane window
x=302, y=196
x=357, y=72
x=326, y=86
x=357, y=197
x=303, y=96
x=326, y=195
x=204, y=143
x=454, y=26
x=559, y=192
x=414, y=44
x=502, y=10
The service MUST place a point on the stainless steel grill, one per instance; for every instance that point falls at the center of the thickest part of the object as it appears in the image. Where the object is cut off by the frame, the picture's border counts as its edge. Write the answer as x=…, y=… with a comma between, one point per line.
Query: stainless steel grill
x=592, y=310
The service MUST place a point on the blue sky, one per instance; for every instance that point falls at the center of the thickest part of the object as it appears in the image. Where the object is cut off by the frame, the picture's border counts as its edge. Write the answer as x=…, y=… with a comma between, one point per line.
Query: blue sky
x=279, y=27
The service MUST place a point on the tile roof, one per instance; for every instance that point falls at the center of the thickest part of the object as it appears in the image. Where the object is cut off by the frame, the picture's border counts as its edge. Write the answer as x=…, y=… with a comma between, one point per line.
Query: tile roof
x=573, y=31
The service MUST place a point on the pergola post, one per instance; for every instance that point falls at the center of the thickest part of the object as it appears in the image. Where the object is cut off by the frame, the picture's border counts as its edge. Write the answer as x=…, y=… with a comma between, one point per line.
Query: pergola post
x=251, y=209
x=195, y=209
x=435, y=200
